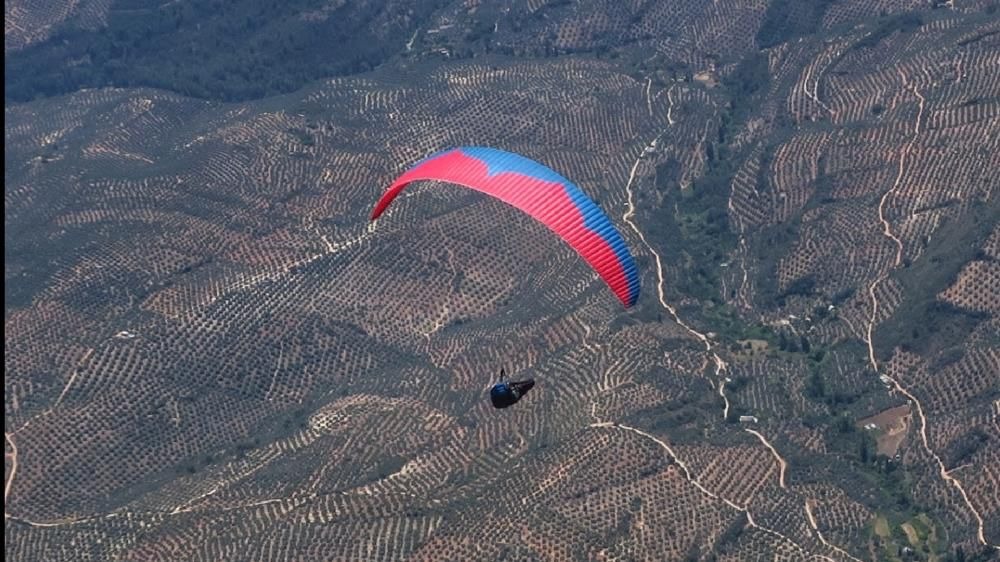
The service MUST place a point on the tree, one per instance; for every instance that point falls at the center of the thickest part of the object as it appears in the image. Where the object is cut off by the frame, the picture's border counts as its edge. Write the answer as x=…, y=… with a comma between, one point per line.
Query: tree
x=815, y=386
x=864, y=449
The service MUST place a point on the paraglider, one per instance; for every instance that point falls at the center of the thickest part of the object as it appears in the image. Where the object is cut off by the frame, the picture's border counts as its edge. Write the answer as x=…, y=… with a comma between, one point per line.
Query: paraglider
x=546, y=196
x=540, y=192
x=504, y=394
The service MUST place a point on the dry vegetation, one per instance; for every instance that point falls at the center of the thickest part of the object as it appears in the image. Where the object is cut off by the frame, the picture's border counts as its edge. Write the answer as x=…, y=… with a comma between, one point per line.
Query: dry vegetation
x=209, y=354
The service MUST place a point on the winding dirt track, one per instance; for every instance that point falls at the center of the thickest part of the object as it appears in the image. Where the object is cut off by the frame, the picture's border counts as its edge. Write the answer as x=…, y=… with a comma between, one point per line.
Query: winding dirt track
x=888, y=233
x=720, y=368
x=812, y=523
x=13, y=470
x=725, y=401
x=690, y=477
x=782, y=465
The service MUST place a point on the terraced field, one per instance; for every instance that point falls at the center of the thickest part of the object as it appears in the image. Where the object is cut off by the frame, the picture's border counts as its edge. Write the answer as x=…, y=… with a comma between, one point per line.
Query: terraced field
x=210, y=354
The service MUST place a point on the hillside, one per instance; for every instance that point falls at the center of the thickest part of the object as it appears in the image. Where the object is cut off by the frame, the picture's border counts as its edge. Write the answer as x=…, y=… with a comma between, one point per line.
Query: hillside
x=211, y=354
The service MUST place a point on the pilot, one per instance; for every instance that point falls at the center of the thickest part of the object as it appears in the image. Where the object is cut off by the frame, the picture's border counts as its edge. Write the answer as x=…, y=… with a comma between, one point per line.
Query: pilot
x=504, y=394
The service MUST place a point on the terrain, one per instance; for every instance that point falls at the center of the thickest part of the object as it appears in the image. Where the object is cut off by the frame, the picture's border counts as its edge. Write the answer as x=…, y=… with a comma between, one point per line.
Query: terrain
x=211, y=354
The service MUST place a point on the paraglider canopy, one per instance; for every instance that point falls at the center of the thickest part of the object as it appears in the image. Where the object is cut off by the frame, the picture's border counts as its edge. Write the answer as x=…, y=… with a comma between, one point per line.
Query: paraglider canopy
x=540, y=192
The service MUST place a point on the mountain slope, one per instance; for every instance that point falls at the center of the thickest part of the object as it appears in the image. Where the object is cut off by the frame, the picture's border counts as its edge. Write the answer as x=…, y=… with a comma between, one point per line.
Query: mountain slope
x=210, y=354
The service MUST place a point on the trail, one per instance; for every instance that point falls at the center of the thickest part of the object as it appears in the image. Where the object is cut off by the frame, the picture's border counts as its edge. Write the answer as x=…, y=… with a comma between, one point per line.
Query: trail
x=627, y=217
x=670, y=107
x=649, y=100
x=706, y=491
x=960, y=467
x=888, y=233
x=439, y=323
x=274, y=375
x=72, y=377
x=782, y=465
x=812, y=523
x=59, y=522
x=190, y=504
x=722, y=393
x=813, y=94
x=59, y=399
x=71, y=521
x=720, y=365
x=251, y=281
x=13, y=471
